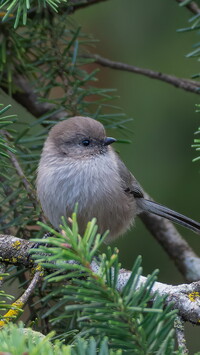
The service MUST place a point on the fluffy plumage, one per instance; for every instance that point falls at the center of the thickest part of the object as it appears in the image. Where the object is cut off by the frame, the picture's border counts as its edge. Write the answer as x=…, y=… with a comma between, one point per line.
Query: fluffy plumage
x=79, y=165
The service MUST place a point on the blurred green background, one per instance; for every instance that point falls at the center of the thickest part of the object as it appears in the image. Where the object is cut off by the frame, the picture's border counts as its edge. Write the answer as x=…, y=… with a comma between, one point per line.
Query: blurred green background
x=145, y=34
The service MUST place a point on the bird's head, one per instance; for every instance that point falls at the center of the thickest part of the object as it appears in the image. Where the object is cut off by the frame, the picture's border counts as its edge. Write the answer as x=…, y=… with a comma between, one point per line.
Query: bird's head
x=79, y=137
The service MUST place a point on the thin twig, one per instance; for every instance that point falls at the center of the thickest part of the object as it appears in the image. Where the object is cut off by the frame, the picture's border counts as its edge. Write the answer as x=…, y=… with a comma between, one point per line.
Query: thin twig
x=185, y=84
x=36, y=278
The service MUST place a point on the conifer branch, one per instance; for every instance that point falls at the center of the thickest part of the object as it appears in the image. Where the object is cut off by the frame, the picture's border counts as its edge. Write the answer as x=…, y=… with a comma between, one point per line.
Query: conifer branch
x=185, y=297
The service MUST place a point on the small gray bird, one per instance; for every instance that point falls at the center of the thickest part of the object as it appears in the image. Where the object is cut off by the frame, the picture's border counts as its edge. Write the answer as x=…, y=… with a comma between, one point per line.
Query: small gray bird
x=78, y=164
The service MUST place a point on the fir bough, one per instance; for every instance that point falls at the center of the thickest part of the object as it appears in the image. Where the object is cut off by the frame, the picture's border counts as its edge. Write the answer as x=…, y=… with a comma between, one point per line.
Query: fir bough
x=134, y=321
x=17, y=340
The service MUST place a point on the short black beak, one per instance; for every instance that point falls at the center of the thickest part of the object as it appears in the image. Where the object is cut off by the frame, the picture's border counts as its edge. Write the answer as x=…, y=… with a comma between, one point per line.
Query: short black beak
x=109, y=140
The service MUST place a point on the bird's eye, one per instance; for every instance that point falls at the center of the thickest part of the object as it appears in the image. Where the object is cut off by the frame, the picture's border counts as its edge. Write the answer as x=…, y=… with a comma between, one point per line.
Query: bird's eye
x=85, y=142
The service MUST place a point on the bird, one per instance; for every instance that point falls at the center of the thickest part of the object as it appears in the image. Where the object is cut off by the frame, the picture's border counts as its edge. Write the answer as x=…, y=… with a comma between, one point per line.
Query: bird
x=79, y=165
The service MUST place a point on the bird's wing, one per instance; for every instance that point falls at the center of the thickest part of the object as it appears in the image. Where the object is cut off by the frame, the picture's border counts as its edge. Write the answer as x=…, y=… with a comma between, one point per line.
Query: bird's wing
x=129, y=182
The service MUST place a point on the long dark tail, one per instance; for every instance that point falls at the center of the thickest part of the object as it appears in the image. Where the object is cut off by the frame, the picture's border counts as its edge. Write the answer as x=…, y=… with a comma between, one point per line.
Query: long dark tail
x=162, y=211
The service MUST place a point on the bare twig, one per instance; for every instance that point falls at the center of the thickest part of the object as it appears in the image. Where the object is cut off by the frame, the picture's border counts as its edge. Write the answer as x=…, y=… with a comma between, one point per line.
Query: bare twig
x=184, y=84
x=192, y=6
x=36, y=278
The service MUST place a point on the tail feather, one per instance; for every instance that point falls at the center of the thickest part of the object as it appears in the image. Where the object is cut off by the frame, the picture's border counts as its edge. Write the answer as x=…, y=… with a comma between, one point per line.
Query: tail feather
x=162, y=211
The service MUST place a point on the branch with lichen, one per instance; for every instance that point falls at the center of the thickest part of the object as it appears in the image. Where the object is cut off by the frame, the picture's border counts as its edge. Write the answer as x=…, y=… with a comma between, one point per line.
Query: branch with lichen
x=185, y=297
x=180, y=335
x=17, y=306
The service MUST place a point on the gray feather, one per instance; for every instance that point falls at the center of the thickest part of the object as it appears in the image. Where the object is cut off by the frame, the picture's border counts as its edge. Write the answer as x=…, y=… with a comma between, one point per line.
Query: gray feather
x=162, y=211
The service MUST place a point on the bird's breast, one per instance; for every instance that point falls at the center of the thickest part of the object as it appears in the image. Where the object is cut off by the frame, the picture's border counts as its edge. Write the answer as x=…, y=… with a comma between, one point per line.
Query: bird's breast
x=95, y=184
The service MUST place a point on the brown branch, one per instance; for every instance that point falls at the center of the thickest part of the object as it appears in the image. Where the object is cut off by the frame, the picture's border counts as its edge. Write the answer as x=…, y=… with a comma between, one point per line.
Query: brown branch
x=26, y=97
x=184, y=84
x=192, y=6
